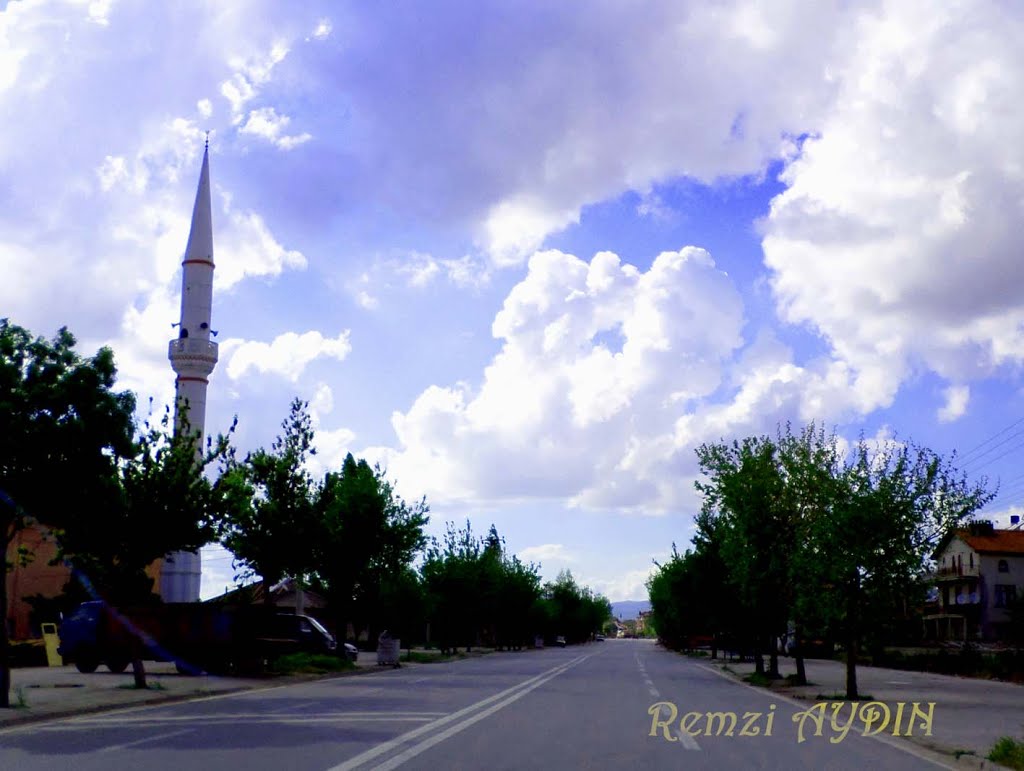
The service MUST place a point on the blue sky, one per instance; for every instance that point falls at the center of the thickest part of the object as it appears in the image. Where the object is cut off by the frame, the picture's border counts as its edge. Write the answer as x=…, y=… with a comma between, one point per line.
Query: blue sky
x=528, y=258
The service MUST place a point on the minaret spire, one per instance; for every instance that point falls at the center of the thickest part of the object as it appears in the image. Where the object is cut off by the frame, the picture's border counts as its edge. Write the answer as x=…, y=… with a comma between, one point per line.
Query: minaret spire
x=193, y=357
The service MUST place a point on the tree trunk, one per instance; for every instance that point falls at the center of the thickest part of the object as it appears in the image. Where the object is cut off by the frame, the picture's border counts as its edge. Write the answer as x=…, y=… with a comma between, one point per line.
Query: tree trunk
x=5, y=669
x=798, y=655
x=758, y=657
x=139, y=671
x=851, y=645
x=138, y=668
x=851, y=667
x=773, y=661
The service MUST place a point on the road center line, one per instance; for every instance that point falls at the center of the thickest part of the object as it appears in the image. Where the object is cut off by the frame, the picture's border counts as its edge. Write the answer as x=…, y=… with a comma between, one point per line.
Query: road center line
x=126, y=745
x=405, y=738
x=687, y=740
x=430, y=741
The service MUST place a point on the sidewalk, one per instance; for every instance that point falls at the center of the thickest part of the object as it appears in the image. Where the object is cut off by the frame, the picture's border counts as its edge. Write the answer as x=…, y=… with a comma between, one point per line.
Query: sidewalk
x=41, y=693
x=970, y=715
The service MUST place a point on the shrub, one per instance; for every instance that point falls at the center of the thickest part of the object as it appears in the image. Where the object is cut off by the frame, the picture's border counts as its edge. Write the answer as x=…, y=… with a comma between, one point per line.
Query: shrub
x=1008, y=752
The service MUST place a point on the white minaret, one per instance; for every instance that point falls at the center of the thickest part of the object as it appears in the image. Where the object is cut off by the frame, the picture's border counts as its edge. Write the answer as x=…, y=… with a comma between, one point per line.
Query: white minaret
x=193, y=356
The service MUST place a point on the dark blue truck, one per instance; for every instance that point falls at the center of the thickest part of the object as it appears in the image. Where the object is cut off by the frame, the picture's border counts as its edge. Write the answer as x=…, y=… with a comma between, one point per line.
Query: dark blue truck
x=195, y=636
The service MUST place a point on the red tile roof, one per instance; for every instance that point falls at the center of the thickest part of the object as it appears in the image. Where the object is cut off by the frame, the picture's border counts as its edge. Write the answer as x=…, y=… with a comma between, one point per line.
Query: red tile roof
x=1001, y=541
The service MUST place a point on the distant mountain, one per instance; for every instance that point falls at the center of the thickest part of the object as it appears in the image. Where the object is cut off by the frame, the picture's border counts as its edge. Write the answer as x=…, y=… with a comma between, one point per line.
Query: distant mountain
x=628, y=609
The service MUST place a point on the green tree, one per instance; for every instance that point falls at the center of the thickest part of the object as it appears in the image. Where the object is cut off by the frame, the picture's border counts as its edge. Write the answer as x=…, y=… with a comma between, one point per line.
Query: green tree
x=450, y=575
x=890, y=507
x=365, y=533
x=745, y=489
x=267, y=500
x=575, y=612
x=62, y=427
x=402, y=605
x=110, y=543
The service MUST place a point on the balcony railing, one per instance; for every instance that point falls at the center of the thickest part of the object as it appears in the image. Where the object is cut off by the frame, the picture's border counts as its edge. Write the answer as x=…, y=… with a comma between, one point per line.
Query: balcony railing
x=185, y=346
x=959, y=571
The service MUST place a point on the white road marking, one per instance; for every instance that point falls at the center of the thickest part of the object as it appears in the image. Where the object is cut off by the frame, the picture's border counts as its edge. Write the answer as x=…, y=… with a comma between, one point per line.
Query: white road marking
x=517, y=690
x=126, y=745
x=92, y=724
x=687, y=740
x=426, y=744
x=291, y=707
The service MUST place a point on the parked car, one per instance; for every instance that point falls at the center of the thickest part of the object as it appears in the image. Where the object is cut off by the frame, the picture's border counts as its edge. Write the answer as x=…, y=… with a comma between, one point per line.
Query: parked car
x=351, y=652
x=560, y=641
x=599, y=637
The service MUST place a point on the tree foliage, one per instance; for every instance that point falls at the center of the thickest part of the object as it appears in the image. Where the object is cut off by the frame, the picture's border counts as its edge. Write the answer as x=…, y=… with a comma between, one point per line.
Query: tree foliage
x=797, y=536
x=267, y=500
x=111, y=542
x=63, y=428
x=366, y=534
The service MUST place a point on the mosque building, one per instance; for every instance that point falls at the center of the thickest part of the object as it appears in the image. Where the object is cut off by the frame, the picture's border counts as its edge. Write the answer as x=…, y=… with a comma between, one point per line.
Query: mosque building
x=193, y=356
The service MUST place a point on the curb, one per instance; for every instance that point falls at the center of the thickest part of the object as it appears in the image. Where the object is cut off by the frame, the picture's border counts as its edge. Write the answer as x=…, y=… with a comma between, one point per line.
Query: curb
x=945, y=752
x=12, y=721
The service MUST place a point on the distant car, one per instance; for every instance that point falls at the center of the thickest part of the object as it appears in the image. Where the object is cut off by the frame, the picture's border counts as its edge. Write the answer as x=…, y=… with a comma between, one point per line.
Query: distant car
x=599, y=637
x=351, y=652
x=560, y=641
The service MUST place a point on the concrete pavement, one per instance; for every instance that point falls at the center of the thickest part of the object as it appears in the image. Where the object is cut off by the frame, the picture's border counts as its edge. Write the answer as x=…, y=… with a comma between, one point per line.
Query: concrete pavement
x=970, y=714
x=588, y=706
x=41, y=693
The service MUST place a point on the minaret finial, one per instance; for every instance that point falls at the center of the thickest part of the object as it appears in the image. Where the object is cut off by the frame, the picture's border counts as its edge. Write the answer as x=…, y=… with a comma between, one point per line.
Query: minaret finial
x=207, y=147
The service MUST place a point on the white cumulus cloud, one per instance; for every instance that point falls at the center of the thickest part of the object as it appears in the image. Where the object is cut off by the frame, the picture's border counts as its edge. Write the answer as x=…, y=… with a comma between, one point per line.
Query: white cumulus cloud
x=897, y=235
x=287, y=355
x=957, y=398
x=546, y=552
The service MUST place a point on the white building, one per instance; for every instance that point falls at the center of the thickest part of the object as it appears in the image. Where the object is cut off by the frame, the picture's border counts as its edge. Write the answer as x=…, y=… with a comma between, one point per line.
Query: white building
x=193, y=356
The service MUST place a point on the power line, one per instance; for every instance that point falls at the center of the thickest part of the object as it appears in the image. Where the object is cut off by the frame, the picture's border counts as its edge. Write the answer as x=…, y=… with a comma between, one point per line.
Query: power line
x=1014, y=448
x=994, y=447
x=994, y=436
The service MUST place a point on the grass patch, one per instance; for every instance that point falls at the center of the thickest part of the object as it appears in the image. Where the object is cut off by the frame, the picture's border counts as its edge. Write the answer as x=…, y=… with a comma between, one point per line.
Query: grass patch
x=423, y=657
x=842, y=697
x=961, y=753
x=20, y=698
x=309, y=664
x=156, y=685
x=755, y=678
x=1008, y=752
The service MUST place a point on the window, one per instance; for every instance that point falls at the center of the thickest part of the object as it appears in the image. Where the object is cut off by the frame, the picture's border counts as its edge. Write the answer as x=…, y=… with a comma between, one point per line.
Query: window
x=972, y=559
x=1005, y=595
x=1004, y=566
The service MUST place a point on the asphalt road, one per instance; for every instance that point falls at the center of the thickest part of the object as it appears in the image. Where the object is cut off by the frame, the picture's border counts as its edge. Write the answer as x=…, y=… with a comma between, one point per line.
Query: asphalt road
x=579, y=707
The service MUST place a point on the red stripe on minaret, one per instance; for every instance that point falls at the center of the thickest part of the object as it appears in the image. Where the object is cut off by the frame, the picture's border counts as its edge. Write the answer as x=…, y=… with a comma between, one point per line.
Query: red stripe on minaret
x=197, y=262
x=181, y=379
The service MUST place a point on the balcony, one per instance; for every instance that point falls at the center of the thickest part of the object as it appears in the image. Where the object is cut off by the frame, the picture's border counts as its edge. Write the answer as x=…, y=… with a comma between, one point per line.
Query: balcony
x=185, y=346
x=958, y=571
x=192, y=357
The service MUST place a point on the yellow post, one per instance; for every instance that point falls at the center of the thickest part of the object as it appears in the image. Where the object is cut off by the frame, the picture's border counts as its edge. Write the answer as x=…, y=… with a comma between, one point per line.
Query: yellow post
x=51, y=641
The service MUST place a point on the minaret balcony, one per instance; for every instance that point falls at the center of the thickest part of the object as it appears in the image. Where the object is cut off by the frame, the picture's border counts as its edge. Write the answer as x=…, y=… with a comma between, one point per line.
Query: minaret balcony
x=192, y=354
